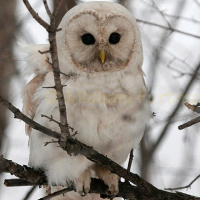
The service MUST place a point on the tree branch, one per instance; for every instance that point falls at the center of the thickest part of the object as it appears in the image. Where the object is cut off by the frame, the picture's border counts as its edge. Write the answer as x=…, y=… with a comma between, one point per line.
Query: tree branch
x=23, y=172
x=184, y=187
x=52, y=29
x=189, y=123
x=35, y=15
x=126, y=190
x=168, y=28
x=58, y=85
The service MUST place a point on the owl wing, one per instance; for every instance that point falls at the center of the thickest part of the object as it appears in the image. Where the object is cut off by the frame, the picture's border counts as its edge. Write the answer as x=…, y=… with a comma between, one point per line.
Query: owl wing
x=29, y=103
x=36, y=63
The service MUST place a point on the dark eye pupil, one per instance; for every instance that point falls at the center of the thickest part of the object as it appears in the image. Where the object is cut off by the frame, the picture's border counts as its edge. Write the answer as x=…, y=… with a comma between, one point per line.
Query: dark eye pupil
x=114, y=38
x=88, y=39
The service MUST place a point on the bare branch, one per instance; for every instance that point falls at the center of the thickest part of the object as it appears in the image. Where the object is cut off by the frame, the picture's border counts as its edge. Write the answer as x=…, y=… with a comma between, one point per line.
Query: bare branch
x=29, y=193
x=58, y=85
x=33, y=124
x=23, y=172
x=47, y=9
x=51, y=119
x=36, y=16
x=181, y=18
x=195, y=108
x=49, y=87
x=189, y=123
x=52, y=29
x=60, y=192
x=168, y=28
x=184, y=187
x=44, y=52
x=130, y=161
x=196, y=120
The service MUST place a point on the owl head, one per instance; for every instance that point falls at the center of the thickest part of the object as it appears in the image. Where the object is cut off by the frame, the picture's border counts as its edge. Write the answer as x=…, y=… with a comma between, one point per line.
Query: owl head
x=99, y=37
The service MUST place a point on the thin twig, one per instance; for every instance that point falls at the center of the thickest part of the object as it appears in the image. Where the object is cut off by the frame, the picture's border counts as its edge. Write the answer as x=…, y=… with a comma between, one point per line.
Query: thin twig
x=184, y=187
x=30, y=192
x=189, y=123
x=47, y=9
x=130, y=161
x=60, y=192
x=51, y=119
x=161, y=12
x=194, y=108
x=181, y=17
x=168, y=28
x=51, y=142
x=36, y=16
x=49, y=87
x=44, y=52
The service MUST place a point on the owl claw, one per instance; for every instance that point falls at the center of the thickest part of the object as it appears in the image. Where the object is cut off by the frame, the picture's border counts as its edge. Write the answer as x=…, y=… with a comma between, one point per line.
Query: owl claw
x=83, y=183
x=113, y=190
x=110, y=179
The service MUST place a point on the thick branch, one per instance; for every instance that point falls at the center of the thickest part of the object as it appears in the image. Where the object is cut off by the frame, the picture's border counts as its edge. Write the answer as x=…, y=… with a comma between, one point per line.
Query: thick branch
x=23, y=172
x=126, y=190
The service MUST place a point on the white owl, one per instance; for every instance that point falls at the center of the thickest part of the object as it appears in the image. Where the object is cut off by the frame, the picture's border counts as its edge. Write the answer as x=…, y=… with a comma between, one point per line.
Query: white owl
x=100, y=56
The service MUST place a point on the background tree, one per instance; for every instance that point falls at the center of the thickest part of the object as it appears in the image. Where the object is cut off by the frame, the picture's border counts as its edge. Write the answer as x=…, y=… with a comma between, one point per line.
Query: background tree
x=8, y=26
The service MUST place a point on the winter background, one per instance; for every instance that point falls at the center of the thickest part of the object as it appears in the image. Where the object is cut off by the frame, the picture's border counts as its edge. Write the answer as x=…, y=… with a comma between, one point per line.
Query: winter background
x=170, y=59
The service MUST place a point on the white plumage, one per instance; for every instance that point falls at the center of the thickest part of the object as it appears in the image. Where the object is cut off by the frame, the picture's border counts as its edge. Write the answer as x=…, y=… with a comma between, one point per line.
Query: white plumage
x=105, y=94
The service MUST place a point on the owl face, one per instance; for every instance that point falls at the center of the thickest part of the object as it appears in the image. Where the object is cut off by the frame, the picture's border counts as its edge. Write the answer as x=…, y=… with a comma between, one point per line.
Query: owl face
x=100, y=40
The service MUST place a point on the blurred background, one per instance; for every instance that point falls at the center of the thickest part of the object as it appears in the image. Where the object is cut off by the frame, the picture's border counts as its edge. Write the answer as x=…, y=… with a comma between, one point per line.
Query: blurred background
x=166, y=157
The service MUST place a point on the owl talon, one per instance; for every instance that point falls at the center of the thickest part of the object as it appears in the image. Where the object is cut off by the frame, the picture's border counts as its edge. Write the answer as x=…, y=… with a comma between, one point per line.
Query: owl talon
x=110, y=179
x=113, y=190
x=83, y=183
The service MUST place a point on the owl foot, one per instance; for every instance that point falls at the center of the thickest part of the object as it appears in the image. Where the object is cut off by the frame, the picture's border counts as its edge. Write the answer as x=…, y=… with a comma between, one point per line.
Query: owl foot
x=83, y=183
x=110, y=179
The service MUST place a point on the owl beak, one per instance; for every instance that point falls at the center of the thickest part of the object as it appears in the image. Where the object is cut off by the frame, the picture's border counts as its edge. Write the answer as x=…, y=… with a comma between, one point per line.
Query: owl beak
x=102, y=56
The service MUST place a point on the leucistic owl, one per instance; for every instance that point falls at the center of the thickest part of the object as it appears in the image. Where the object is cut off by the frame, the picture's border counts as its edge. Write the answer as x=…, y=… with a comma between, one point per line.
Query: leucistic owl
x=100, y=57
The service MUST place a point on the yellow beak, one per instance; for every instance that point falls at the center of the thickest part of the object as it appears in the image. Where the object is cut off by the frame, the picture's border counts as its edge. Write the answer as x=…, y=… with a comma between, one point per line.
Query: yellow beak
x=102, y=56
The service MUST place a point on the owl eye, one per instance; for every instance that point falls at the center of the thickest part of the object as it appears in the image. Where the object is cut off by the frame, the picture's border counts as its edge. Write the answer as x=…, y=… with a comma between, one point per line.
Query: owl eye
x=114, y=38
x=88, y=39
